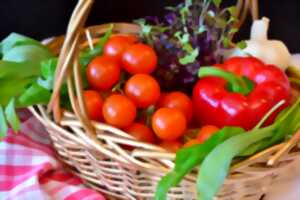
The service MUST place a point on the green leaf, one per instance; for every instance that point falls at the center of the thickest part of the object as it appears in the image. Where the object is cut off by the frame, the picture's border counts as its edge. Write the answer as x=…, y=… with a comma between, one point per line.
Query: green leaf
x=190, y=57
x=232, y=19
x=11, y=115
x=18, y=70
x=217, y=2
x=233, y=30
x=254, y=148
x=188, y=158
x=226, y=42
x=11, y=88
x=15, y=39
x=232, y=10
x=47, y=73
x=48, y=68
x=88, y=54
x=3, y=124
x=242, y=44
x=35, y=94
x=215, y=166
x=30, y=53
x=183, y=39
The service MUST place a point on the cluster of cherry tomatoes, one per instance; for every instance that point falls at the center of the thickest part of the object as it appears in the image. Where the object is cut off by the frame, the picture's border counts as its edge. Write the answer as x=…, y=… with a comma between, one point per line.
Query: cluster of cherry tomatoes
x=136, y=104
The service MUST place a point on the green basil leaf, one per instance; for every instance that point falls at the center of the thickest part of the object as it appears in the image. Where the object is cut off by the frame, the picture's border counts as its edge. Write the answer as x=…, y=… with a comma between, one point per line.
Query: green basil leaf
x=35, y=94
x=3, y=124
x=30, y=53
x=47, y=73
x=48, y=68
x=18, y=70
x=11, y=88
x=11, y=115
x=188, y=158
x=254, y=148
x=189, y=58
x=215, y=166
x=15, y=39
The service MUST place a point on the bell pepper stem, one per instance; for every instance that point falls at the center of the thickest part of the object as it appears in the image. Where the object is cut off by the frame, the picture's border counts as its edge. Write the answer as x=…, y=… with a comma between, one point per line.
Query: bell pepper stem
x=235, y=83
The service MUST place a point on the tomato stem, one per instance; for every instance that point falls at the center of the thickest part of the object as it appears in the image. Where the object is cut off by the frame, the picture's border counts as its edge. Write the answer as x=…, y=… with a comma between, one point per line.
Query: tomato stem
x=235, y=83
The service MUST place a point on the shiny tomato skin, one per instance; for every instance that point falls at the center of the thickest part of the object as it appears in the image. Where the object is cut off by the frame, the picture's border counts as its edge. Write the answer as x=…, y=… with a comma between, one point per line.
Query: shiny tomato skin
x=139, y=59
x=117, y=44
x=119, y=111
x=103, y=72
x=206, y=132
x=169, y=123
x=171, y=146
x=141, y=132
x=94, y=103
x=178, y=100
x=143, y=90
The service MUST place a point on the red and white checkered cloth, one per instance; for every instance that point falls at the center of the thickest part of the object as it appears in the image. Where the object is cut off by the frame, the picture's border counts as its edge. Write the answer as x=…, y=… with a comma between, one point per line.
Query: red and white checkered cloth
x=29, y=169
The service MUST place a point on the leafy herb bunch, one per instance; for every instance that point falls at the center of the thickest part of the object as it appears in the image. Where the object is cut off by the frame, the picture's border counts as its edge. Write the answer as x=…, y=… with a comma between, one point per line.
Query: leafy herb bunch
x=191, y=35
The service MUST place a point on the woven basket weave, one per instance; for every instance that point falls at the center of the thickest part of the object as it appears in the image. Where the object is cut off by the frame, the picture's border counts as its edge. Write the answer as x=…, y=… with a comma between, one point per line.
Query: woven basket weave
x=94, y=152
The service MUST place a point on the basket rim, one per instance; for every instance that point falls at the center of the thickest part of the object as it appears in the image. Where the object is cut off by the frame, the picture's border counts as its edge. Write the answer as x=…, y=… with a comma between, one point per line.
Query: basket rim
x=117, y=27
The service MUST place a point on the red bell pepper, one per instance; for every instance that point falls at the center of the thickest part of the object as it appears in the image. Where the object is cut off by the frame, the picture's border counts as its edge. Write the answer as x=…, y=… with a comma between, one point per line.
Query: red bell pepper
x=239, y=93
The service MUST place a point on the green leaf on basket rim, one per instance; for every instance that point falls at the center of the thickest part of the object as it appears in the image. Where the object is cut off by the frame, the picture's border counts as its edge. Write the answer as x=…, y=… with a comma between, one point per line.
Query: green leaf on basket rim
x=11, y=115
x=88, y=54
x=216, y=164
x=188, y=158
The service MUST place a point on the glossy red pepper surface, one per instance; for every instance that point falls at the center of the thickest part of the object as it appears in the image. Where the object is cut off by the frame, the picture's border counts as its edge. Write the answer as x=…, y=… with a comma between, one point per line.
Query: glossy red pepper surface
x=216, y=105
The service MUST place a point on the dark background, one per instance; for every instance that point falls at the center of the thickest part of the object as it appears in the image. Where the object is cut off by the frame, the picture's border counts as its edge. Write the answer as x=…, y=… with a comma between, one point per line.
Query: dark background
x=45, y=18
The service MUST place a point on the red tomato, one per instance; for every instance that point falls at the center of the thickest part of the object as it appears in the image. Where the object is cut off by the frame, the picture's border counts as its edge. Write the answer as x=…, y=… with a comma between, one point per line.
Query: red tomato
x=143, y=90
x=103, y=72
x=191, y=143
x=168, y=123
x=141, y=132
x=117, y=44
x=139, y=59
x=119, y=111
x=94, y=103
x=180, y=101
x=206, y=132
x=171, y=146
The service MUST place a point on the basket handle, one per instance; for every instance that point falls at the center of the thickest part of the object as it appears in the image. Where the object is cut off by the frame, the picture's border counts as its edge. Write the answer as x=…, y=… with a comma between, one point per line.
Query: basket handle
x=66, y=56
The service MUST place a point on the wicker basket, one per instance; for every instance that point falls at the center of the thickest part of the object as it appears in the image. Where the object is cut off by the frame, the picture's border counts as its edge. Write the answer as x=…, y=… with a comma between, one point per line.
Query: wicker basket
x=94, y=152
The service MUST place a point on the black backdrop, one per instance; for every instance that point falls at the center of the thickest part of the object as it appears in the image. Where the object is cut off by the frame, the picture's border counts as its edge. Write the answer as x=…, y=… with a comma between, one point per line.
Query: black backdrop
x=44, y=18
